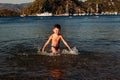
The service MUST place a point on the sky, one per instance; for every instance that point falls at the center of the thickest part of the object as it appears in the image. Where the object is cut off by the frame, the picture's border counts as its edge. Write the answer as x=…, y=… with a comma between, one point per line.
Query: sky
x=16, y=1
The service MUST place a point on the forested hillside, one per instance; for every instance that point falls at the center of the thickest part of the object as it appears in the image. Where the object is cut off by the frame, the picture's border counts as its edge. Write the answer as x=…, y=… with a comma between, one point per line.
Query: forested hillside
x=5, y=12
x=57, y=7
x=54, y=6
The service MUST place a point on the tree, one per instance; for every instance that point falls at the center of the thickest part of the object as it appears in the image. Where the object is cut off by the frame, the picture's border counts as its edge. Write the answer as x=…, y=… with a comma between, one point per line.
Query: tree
x=5, y=12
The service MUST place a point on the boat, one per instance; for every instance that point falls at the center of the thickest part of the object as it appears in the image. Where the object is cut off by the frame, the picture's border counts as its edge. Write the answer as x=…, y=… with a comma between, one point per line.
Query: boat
x=44, y=14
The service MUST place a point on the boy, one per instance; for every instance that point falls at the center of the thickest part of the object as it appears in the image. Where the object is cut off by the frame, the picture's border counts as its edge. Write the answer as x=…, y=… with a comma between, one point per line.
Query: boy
x=55, y=40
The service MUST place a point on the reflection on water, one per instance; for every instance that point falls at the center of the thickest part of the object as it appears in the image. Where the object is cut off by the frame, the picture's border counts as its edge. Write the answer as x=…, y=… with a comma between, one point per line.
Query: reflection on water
x=85, y=66
x=38, y=66
x=57, y=73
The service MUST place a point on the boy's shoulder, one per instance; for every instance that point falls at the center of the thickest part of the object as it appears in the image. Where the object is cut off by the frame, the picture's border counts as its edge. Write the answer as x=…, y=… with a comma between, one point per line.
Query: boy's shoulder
x=52, y=35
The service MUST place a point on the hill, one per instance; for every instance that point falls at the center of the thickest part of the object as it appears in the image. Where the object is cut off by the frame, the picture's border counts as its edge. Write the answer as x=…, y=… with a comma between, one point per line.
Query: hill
x=6, y=12
x=54, y=6
x=14, y=7
x=58, y=7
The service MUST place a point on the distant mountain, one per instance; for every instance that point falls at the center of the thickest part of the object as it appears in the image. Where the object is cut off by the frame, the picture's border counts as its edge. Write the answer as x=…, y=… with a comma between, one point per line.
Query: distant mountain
x=14, y=7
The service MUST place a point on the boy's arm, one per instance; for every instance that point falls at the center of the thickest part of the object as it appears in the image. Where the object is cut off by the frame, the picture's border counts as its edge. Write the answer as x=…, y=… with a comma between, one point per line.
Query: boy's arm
x=65, y=43
x=47, y=42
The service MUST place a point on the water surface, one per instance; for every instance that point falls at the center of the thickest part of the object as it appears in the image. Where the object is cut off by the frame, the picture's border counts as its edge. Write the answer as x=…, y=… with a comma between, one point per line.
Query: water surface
x=96, y=38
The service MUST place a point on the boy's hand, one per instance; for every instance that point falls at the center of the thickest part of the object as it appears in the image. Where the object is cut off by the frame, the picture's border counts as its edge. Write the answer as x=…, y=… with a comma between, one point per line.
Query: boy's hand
x=71, y=51
x=43, y=51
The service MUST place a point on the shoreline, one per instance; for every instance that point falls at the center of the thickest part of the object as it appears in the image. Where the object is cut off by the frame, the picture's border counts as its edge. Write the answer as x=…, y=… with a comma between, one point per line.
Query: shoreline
x=73, y=15
x=64, y=15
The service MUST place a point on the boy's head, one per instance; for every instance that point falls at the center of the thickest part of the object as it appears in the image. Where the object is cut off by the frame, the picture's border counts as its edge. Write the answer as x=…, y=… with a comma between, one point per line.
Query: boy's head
x=57, y=29
x=57, y=26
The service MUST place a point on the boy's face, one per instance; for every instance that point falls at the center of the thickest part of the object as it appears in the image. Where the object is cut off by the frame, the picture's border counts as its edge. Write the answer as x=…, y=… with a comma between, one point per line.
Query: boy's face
x=56, y=31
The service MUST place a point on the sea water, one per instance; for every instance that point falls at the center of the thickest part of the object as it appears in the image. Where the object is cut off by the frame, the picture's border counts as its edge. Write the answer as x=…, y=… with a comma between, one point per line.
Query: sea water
x=86, y=33
x=22, y=37
x=74, y=51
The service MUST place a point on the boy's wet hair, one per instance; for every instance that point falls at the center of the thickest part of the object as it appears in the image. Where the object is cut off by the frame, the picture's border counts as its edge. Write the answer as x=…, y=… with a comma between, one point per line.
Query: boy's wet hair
x=57, y=26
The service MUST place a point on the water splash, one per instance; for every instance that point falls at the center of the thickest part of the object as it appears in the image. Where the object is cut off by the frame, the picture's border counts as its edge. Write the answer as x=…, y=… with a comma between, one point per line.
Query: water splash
x=74, y=51
x=64, y=51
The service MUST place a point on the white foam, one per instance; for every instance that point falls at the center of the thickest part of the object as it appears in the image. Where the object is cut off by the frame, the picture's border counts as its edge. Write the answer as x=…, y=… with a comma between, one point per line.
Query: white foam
x=74, y=51
x=64, y=51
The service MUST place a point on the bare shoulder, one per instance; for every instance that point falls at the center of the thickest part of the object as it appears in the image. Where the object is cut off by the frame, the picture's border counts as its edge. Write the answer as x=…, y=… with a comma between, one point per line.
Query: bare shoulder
x=60, y=36
x=51, y=36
